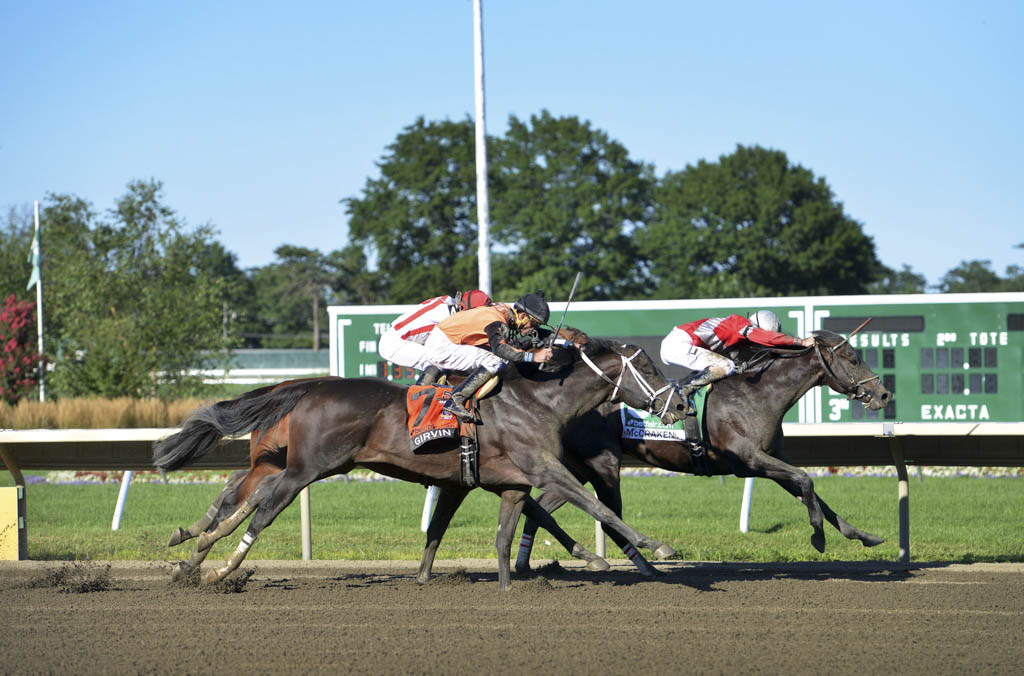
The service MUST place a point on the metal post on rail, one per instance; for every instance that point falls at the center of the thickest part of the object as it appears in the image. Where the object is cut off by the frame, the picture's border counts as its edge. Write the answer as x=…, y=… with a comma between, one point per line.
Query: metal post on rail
x=888, y=430
x=122, y=496
x=748, y=495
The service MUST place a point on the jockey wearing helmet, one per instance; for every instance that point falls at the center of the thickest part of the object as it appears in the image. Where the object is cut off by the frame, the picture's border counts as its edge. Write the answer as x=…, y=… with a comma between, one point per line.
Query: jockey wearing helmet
x=455, y=344
x=709, y=346
x=403, y=343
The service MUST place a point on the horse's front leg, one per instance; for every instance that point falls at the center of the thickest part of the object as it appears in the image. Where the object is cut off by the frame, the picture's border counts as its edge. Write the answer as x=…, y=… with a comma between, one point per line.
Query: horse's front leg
x=508, y=516
x=760, y=464
x=448, y=501
x=548, y=474
x=848, y=531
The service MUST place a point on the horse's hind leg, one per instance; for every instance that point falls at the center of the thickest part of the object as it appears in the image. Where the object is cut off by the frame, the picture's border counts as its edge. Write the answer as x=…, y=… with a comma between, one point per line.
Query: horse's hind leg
x=182, y=534
x=530, y=528
x=538, y=515
x=225, y=526
x=448, y=501
x=508, y=517
x=610, y=495
x=273, y=495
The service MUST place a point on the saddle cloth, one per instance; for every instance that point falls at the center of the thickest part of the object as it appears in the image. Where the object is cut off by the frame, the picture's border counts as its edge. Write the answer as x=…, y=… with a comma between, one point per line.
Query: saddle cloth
x=638, y=424
x=427, y=421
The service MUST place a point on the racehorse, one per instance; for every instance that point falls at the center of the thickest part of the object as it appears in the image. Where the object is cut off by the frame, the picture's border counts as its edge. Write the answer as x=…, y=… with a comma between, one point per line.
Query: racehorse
x=335, y=425
x=743, y=422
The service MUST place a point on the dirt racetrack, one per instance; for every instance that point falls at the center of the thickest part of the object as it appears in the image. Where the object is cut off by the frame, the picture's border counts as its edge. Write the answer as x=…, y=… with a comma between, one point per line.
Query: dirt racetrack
x=372, y=617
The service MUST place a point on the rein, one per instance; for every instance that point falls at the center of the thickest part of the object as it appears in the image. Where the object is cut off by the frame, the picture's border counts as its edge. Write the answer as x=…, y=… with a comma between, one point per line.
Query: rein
x=627, y=363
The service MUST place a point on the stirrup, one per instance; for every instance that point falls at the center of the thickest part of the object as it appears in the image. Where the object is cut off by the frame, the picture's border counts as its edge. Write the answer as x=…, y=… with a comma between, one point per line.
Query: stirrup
x=459, y=411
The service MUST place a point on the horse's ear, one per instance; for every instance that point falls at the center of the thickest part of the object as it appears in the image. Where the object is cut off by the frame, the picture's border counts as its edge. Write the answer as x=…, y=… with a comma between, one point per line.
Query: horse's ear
x=862, y=325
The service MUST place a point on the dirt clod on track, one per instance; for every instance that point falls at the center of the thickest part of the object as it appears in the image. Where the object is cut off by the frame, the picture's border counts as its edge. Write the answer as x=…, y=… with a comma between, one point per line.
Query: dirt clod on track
x=371, y=617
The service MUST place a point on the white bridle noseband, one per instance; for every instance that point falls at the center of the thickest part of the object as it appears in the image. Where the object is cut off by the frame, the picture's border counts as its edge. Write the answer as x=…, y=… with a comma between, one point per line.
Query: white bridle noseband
x=627, y=363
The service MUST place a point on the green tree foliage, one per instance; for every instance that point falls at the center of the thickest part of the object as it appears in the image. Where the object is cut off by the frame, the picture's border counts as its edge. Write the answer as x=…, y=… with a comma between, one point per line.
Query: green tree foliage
x=978, y=277
x=418, y=218
x=752, y=224
x=130, y=311
x=568, y=199
x=15, y=239
x=898, y=281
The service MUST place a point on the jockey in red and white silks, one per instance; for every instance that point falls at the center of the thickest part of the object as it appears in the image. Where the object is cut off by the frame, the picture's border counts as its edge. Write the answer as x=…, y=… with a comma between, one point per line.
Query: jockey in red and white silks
x=709, y=345
x=403, y=343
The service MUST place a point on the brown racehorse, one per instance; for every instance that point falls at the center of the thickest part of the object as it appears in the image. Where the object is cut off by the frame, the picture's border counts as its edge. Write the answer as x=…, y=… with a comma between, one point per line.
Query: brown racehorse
x=336, y=425
x=743, y=431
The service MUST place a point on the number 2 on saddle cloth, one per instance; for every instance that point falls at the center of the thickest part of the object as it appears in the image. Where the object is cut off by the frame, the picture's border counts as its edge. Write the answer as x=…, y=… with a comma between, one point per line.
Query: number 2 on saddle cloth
x=427, y=421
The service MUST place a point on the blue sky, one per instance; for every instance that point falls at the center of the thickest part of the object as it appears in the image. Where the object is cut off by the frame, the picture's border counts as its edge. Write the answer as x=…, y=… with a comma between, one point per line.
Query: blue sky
x=260, y=117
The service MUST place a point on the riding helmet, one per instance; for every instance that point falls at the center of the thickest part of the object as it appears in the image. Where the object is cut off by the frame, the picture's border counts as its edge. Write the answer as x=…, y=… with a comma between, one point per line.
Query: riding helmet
x=467, y=300
x=535, y=306
x=767, y=320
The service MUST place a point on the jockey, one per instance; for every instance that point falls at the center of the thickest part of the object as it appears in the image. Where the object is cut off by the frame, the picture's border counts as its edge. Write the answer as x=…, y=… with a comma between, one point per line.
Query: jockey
x=454, y=344
x=709, y=346
x=403, y=343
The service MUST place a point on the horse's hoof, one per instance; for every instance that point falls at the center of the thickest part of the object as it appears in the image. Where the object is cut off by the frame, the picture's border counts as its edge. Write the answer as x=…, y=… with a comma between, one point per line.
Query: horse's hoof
x=210, y=576
x=818, y=542
x=178, y=536
x=522, y=568
x=870, y=540
x=597, y=564
x=203, y=542
x=178, y=571
x=664, y=552
x=422, y=579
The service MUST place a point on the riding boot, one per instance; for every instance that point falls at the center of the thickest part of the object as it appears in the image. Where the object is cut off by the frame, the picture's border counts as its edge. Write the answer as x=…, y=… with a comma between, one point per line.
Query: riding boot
x=699, y=380
x=430, y=376
x=473, y=382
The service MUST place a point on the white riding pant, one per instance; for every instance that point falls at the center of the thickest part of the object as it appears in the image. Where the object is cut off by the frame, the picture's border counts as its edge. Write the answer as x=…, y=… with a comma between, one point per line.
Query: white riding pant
x=446, y=355
x=411, y=352
x=677, y=349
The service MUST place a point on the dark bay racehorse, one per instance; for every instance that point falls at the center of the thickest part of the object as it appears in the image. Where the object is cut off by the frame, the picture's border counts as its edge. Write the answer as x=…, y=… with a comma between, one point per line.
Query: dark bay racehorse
x=744, y=434
x=335, y=425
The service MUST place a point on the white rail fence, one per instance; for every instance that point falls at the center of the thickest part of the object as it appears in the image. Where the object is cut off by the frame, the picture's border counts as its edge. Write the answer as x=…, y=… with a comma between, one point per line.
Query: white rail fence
x=985, y=444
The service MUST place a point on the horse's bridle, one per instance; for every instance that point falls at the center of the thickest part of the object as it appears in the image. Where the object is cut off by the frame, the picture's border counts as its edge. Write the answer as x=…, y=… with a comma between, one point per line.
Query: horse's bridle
x=851, y=387
x=627, y=364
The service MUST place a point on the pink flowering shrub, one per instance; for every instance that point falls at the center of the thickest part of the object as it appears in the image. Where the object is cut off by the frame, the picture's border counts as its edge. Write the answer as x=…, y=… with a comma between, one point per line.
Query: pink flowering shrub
x=19, y=362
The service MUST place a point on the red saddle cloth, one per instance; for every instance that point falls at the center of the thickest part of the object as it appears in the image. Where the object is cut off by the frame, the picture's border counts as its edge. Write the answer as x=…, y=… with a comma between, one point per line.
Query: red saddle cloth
x=427, y=421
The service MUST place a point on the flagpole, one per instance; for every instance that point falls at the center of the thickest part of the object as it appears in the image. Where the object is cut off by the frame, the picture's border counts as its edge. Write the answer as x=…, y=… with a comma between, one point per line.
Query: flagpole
x=39, y=308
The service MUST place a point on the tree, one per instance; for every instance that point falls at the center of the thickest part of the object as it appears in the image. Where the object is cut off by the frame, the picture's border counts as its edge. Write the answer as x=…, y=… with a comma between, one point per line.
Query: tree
x=752, y=224
x=978, y=277
x=15, y=239
x=130, y=310
x=568, y=199
x=19, y=360
x=418, y=218
x=305, y=275
x=898, y=281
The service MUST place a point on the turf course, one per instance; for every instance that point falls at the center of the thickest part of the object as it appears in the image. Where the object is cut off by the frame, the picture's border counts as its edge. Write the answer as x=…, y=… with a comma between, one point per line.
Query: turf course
x=952, y=519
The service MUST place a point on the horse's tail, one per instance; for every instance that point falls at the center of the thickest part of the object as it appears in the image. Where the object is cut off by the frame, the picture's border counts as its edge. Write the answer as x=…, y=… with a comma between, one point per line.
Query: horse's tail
x=259, y=409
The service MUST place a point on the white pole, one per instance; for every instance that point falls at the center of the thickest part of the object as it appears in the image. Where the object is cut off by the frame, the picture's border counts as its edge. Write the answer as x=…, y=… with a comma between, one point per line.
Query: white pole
x=304, y=524
x=39, y=309
x=482, y=209
x=122, y=496
x=748, y=493
x=428, y=507
x=483, y=252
